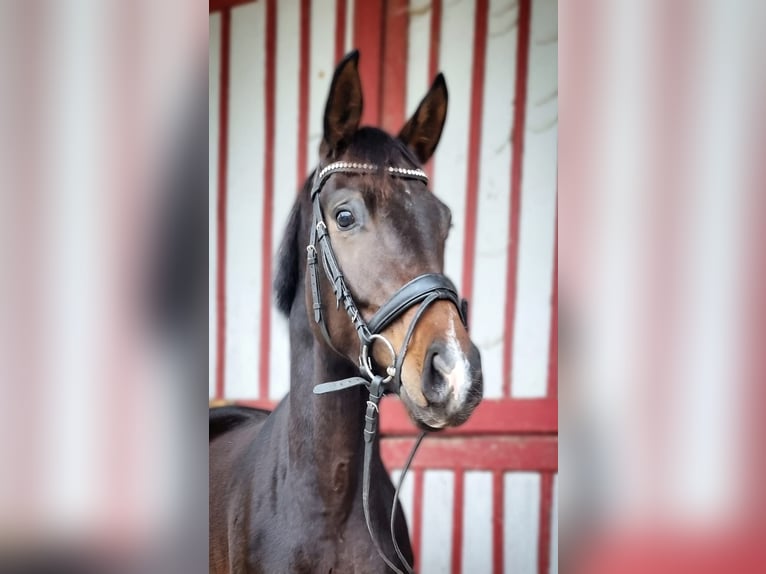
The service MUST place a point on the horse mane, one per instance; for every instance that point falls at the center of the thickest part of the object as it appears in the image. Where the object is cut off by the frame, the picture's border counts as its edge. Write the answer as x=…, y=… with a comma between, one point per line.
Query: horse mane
x=224, y=419
x=369, y=145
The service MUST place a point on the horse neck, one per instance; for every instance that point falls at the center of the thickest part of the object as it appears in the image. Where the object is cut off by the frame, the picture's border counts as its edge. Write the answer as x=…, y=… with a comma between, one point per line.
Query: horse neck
x=325, y=434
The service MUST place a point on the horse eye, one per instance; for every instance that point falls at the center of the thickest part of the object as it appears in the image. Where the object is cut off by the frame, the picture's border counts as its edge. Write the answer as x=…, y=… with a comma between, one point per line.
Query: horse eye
x=344, y=219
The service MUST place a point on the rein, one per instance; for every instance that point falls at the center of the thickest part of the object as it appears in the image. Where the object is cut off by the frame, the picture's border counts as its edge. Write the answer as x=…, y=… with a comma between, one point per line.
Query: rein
x=423, y=290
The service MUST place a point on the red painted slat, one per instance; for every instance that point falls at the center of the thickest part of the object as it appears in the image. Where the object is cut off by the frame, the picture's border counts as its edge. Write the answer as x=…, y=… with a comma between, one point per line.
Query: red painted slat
x=475, y=453
x=223, y=154
x=417, y=513
x=433, y=62
x=457, y=523
x=368, y=38
x=222, y=5
x=519, y=121
x=544, y=540
x=304, y=70
x=497, y=522
x=491, y=418
x=395, y=65
x=340, y=29
x=474, y=145
x=268, y=197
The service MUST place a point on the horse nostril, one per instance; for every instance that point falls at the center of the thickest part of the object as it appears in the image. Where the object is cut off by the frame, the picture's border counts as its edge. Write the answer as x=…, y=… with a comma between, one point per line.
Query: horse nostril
x=438, y=366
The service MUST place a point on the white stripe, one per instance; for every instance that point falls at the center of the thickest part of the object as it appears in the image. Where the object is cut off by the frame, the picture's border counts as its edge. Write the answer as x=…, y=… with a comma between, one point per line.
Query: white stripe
x=214, y=71
x=245, y=199
x=285, y=184
x=706, y=399
x=554, y=545
x=537, y=231
x=455, y=59
x=438, y=486
x=321, y=70
x=406, y=497
x=477, y=522
x=521, y=522
x=491, y=258
x=418, y=50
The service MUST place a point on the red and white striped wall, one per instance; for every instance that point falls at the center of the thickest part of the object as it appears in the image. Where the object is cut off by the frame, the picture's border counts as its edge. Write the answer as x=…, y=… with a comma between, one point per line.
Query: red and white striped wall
x=482, y=498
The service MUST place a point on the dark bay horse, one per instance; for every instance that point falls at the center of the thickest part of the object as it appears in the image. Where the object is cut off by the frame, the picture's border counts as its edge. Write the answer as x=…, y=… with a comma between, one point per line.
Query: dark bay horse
x=286, y=488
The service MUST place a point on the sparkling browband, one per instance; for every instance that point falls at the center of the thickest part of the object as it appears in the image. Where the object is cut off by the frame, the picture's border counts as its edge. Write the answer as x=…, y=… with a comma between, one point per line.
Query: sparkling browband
x=344, y=166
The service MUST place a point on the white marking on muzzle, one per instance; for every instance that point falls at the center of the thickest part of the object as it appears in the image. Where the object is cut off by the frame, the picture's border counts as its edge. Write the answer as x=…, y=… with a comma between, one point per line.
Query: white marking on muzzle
x=459, y=378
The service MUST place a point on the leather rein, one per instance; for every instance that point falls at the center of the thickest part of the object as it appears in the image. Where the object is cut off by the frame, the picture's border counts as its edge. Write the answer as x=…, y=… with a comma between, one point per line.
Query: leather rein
x=423, y=290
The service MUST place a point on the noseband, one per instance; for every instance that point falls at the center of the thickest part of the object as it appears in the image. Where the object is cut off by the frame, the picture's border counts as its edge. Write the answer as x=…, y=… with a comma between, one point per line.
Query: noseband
x=423, y=290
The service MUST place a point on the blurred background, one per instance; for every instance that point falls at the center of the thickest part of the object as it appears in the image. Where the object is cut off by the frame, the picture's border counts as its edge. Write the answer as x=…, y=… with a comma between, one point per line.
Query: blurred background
x=480, y=498
x=109, y=302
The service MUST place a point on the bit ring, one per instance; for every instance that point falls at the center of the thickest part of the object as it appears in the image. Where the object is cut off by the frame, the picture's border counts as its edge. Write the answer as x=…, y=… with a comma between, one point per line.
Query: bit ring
x=366, y=363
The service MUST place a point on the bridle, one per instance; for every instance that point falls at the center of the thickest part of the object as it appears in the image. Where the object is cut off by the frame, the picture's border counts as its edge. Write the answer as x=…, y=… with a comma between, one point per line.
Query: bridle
x=423, y=290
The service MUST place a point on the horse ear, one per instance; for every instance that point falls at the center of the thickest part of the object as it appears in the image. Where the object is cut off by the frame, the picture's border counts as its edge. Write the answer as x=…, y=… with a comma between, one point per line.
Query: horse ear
x=344, y=105
x=422, y=132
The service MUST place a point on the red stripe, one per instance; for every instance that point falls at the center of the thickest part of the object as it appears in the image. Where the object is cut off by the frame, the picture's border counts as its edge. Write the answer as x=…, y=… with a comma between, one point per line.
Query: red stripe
x=224, y=5
x=303, y=87
x=544, y=543
x=417, y=513
x=538, y=453
x=368, y=38
x=457, y=524
x=223, y=154
x=433, y=62
x=519, y=121
x=395, y=65
x=268, y=197
x=474, y=145
x=491, y=417
x=340, y=29
x=553, y=360
x=497, y=522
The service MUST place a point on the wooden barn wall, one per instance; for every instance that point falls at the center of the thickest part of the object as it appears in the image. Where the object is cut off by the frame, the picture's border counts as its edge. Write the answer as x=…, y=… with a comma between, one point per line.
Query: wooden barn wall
x=270, y=67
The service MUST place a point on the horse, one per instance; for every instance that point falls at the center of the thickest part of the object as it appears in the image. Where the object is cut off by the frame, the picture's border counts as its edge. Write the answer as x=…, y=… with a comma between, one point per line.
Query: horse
x=359, y=274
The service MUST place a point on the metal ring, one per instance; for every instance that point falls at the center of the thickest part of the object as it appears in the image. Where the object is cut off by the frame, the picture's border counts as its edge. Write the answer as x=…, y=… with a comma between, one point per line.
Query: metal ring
x=366, y=363
x=322, y=224
x=310, y=248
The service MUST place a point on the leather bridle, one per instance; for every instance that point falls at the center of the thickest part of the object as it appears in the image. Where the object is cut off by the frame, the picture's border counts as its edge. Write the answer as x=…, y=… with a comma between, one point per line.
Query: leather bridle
x=423, y=290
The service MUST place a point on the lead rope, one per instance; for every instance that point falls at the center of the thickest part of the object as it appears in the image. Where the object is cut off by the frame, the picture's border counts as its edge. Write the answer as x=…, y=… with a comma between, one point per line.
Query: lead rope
x=396, y=500
x=370, y=432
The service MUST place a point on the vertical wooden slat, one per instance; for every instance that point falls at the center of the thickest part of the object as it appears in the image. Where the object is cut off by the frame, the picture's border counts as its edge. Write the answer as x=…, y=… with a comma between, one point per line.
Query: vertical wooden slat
x=436, y=29
x=474, y=145
x=544, y=540
x=223, y=133
x=417, y=513
x=553, y=360
x=497, y=522
x=340, y=29
x=304, y=69
x=394, y=90
x=517, y=140
x=368, y=38
x=433, y=62
x=268, y=197
x=457, y=523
